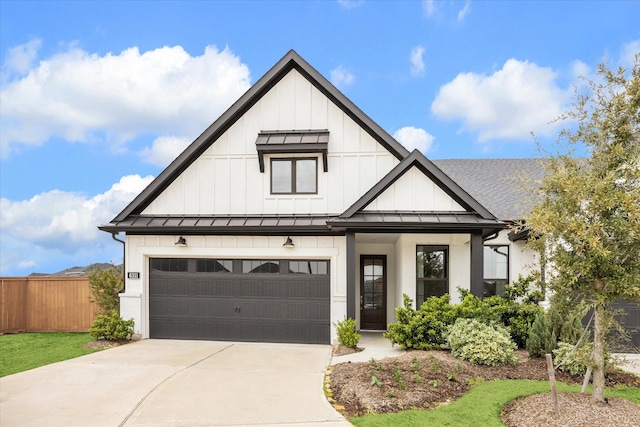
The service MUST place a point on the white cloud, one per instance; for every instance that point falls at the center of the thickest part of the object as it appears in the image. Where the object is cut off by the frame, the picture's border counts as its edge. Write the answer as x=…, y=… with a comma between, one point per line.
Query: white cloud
x=509, y=104
x=580, y=69
x=59, y=221
x=26, y=264
x=20, y=58
x=78, y=95
x=414, y=138
x=341, y=77
x=629, y=51
x=428, y=7
x=464, y=11
x=350, y=4
x=417, y=63
x=164, y=150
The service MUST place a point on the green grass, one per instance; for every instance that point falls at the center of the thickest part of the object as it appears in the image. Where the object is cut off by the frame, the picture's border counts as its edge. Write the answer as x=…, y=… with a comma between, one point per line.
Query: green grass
x=481, y=406
x=21, y=352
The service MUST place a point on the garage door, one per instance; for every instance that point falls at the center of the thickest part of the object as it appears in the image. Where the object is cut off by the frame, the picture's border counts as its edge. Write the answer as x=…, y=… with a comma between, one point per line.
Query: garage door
x=240, y=300
x=628, y=314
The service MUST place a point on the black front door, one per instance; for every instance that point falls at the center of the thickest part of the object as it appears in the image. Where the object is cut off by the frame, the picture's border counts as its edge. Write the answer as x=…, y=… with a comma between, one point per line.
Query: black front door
x=373, y=292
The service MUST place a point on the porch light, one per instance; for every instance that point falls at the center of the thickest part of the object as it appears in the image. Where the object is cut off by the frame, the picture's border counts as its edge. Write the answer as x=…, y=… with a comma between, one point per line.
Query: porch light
x=288, y=243
x=181, y=242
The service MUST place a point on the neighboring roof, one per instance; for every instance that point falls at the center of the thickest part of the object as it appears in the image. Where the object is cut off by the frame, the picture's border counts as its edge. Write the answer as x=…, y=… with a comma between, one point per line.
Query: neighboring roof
x=221, y=224
x=77, y=271
x=289, y=62
x=417, y=159
x=496, y=183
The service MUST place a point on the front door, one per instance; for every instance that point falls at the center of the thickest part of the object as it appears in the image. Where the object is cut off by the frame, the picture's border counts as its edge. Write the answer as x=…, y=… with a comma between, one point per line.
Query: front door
x=373, y=292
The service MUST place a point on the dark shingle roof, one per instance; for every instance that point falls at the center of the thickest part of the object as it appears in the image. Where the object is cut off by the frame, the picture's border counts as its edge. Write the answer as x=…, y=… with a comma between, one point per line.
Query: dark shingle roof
x=495, y=183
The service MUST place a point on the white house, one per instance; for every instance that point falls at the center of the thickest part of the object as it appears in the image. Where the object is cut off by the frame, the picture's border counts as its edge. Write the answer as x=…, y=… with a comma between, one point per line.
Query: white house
x=293, y=210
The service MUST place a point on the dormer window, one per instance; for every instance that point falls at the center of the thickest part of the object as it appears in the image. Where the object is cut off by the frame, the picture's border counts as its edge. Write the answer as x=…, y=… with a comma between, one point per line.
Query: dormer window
x=282, y=143
x=294, y=176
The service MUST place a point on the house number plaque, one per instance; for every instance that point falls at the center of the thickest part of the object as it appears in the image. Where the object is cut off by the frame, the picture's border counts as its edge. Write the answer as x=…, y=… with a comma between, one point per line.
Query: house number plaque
x=133, y=275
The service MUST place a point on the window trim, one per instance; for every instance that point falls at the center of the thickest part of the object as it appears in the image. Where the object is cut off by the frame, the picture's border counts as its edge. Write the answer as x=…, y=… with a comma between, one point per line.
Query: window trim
x=293, y=161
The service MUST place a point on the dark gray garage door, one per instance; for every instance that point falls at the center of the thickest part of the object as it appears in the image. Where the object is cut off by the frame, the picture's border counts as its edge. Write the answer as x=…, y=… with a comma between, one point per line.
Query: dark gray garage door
x=628, y=314
x=240, y=300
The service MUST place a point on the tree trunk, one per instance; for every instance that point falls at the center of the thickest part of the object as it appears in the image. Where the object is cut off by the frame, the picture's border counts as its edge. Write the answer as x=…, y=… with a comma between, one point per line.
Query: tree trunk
x=599, y=333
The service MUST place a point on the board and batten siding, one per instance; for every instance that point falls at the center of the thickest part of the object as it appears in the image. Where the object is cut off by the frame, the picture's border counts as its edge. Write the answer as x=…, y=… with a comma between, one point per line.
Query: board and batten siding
x=226, y=178
x=414, y=191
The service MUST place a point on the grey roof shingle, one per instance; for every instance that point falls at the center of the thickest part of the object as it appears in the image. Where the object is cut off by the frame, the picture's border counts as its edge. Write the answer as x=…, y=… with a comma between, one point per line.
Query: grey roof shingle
x=495, y=183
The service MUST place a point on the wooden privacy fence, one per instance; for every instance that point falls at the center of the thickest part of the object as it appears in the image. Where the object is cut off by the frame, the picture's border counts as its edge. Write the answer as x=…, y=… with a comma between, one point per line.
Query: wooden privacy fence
x=45, y=304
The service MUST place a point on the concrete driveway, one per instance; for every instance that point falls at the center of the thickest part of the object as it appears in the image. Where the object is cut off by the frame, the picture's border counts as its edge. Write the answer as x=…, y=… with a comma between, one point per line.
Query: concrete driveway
x=175, y=383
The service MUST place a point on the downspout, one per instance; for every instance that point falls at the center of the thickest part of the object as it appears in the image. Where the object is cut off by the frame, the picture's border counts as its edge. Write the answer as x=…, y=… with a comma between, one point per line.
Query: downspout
x=124, y=257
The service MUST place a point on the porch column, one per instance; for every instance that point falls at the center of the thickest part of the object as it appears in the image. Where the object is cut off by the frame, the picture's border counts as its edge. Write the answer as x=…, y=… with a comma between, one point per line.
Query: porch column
x=477, y=264
x=351, y=274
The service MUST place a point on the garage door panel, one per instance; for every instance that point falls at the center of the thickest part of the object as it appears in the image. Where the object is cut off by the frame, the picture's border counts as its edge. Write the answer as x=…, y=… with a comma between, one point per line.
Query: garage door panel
x=241, y=307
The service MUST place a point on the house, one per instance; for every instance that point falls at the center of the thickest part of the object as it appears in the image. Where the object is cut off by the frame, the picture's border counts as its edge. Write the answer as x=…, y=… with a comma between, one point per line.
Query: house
x=293, y=210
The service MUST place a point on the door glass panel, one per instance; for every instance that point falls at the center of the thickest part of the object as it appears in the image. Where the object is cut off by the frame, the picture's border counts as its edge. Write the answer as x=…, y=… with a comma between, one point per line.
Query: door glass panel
x=373, y=283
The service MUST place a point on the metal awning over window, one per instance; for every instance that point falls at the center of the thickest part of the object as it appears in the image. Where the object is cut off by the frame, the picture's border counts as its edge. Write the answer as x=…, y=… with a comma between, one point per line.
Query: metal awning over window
x=294, y=141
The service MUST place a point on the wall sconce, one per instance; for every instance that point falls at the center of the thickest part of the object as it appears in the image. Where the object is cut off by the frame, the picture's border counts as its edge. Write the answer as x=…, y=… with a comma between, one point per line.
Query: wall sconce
x=181, y=242
x=288, y=243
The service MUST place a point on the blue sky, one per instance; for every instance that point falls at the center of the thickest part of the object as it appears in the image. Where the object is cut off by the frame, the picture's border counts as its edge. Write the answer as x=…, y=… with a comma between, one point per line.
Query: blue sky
x=97, y=97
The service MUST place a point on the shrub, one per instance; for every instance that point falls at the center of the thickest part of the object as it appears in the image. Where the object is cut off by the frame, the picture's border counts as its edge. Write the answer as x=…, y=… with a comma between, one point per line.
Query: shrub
x=542, y=339
x=481, y=344
x=558, y=324
x=516, y=310
x=576, y=363
x=567, y=323
x=421, y=329
x=110, y=326
x=424, y=328
x=347, y=334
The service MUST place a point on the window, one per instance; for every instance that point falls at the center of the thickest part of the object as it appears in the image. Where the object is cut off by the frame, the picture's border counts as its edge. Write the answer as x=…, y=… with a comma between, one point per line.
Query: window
x=214, y=266
x=169, y=264
x=260, y=266
x=432, y=276
x=308, y=267
x=496, y=269
x=294, y=176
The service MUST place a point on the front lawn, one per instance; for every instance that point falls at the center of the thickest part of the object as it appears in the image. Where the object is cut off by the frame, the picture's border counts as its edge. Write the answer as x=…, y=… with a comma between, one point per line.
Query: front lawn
x=481, y=406
x=21, y=352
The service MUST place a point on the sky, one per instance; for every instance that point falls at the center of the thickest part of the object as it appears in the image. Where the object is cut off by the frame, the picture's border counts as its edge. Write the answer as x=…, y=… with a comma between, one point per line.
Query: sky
x=97, y=97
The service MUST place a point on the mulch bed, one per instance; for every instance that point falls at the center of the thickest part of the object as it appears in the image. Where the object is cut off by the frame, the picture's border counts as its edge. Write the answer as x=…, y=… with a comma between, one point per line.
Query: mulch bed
x=97, y=344
x=431, y=379
x=576, y=410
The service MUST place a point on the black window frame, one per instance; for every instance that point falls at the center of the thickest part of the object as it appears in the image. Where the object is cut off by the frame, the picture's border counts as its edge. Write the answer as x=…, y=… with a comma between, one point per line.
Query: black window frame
x=422, y=281
x=494, y=285
x=293, y=161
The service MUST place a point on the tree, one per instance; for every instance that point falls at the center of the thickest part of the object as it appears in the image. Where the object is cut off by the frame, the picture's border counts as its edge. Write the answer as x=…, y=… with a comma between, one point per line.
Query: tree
x=586, y=220
x=104, y=286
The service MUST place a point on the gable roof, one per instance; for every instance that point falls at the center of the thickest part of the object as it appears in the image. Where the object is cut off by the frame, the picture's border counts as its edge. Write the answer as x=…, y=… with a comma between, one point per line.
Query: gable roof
x=442, y=180
x=496, y=183
x=289, y=62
